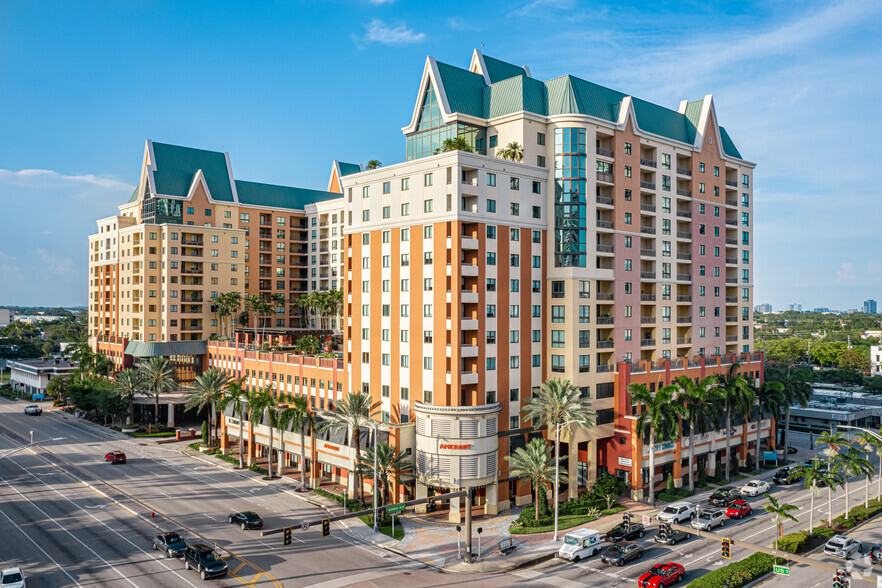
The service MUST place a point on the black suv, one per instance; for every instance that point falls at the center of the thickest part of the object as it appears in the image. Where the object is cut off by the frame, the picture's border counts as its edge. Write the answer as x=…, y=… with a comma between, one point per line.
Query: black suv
x=724, y=496
x=876, y=555
x=625, y=531
x=787, y=476
x=171, y=544
x=246, y=520
x=204, y=560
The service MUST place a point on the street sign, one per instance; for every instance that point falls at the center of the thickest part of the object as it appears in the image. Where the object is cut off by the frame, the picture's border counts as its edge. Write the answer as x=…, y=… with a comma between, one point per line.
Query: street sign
x=646, y=521
x=304, y=526
x=781, y=570
x=770, y=455
x=396, y=508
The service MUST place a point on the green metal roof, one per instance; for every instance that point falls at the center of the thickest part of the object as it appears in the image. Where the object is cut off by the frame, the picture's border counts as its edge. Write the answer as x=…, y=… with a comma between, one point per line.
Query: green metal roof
x=134, y=195
x=663, y=121
x=693, y=114
x=348, y=168
x=166, y=349
x=464, y=89
x=279, y=196
x=728, y=146
x=500, y=70
x=515, y=94
x=176, y=166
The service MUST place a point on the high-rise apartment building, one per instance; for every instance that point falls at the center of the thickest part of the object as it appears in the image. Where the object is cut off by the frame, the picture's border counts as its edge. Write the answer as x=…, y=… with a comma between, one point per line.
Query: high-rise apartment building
x=869, y=306
x=472, y=276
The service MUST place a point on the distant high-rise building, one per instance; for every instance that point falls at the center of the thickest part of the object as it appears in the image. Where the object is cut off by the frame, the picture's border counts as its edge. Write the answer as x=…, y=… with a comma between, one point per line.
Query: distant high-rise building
x=821, y=309
x=796, y=307
x=870, y=306
x=761, y=308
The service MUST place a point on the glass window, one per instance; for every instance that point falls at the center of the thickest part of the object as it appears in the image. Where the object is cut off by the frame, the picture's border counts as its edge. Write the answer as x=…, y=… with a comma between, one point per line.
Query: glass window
x=491, y=179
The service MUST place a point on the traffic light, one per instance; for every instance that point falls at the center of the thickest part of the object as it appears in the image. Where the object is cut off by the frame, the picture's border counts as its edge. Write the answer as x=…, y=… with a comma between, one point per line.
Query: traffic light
x=663, y=530
x=326, y=527
x=287, y=537
x=430, y=504
x=726, y=549
x=626, y=518
x=841, y=579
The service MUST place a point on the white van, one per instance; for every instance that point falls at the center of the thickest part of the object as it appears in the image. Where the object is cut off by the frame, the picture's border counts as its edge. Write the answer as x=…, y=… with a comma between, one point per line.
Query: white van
x=580, y=543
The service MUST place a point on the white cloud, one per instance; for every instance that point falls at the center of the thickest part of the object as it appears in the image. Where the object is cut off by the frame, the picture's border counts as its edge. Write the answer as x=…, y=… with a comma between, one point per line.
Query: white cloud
x=845, y=273
x=457, y=23
x=31, y=177
x=379, y=32
x=543, y=7
x=8, y=267
x=56, y=264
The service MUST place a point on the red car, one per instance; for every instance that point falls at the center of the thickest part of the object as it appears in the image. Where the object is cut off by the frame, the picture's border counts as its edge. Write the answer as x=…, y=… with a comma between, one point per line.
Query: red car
x=115, y=457
x=662, y=575
x=738, y=510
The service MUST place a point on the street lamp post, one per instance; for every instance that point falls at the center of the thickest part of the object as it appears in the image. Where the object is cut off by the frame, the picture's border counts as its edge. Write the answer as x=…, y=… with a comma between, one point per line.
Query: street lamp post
x=557, y=469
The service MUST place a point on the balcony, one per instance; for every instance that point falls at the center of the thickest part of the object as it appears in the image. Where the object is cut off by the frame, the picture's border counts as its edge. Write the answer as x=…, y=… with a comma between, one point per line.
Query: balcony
x=192, y=242
x=684, y=319
x=684, y=214
x=684, y=235
x=191, y=299
x=464, y=351
x=466, y=378
x=647, y=342
x=647, y=207
x=684, y=192
x=469, y=243
x=731, y=319
x=731, y=338
x=684, y=256
x=191, y=328
x=684, y=298
x=732, y=261
x=606, y=249
x=605, y=320
x=647, y=275
x=732, y=183
x=608, y=344
x=605, y=152
x=468, y=297
x=647, y=252
x=603, y=224
x=647, y=298
x=605, y=200
x=647, y=185
x=469, y=324
x=605, y=296
x=684, y=277
x=732, y=222
x=603, y=368
x=604, y=177
x=192, y=271
x=684, y=340
x=684, y=172
x=731, y=280
x=647, y=320
x=647, y=230
x=731, y=202
x=731, y=241
x=648, y=162
x=469, y=270
x=731, y=300
x=186, y=253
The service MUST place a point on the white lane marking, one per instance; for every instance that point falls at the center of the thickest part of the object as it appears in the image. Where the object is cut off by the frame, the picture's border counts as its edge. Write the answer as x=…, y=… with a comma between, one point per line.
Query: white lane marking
x=266, y=545
x=537, y=576
x=357, y=579
x=209, y=516
x=43, y=551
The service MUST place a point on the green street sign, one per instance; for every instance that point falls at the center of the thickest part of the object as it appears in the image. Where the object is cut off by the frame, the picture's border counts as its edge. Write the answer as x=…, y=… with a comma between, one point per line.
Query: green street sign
x=396, y=508
x=781, y=570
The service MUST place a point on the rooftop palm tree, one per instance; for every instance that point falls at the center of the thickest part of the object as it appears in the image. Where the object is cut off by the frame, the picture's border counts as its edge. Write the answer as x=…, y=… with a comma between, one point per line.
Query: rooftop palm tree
x=533, y=463
x=769, y=397
x=660, y=413
x=514, y=151
x=558, y=404
x=373, y=164
x=796, y=390
x=734, y=391
x=781, y=512
x=871, y=443
x=701, y=409
x=128, y=385
x=206, y=391
x=158, y=376
x=348, y=417
x=299, y=416
x=236, y=396
x=391, y=463
x=454, y=144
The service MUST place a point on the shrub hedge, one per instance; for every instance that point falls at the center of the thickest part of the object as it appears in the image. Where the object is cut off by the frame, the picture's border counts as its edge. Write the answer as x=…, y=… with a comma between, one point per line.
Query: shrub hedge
x=736, y=574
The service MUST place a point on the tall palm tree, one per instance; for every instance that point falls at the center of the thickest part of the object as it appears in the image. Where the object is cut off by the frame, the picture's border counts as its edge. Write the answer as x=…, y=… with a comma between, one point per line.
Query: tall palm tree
x=814, y=479
x=391, y=463
x=701, y=409
x=781, y=512
x=769, y=397
x=851, y=463
x=57, y=387
x=128, y=385
x=303, y=303
x=871, y=444
x=348, y=417
x=264, y=408
x=534, y=463
x=299, y=416
x=834, y=442
x=336, y=301
x=232, y=303
x=454, y=144
x=796, y=390
x=373, y=164
x=254, y=303
x=557, y=404
x=206, y=391
x=734, y=390
x=660, y=413
x=158, y=376
x=236, y=396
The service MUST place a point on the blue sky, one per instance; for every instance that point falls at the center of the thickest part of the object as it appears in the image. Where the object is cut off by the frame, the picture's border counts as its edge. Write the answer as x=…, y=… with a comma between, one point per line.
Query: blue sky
x=287, y=86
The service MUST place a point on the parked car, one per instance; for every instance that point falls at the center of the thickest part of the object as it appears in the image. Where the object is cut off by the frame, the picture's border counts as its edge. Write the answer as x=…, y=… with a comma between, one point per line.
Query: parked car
x=672, y=537
x=876, y=555
x=115, y=457
x=625, y=531
x=171, y=544
x=579, y=544
x=754, y=488
x=621, y=553
x=12, y=578
x=738, y=509
x=662, y=575
x=204, y=560
x=246, y=520
x=678, y=512
x=787, y=476
x=844, y=547
x=708, y=519
x=724, y=496
x=33, y=409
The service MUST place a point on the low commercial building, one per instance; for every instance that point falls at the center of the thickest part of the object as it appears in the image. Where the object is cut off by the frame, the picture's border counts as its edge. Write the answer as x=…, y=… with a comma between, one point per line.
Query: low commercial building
x=31, y=376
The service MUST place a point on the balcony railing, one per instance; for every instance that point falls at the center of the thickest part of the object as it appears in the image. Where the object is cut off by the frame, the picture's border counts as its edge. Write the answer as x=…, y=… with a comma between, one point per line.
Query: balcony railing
x=647, y=185
x=733, y=183
x=731, y=319
x=647, y=297
x=684, y=172
x=731, y=280
x=731, y=241
x=605, y=296
x=731, y=338
x=608, y=344
x=604, y=177
x=647, y=275
x=602, y=224
x=605, y=200
x=684, y=214
x=731, y=300
x=732, y=260
x=647, y=230
x=732, y=222
x=731, y=202
x=647, y=320
x=647, y=342
x=684, y=298
x=605, y=152
x=684, y=256
x=684, y=319
x=684, y=277
x=647, y=207
x=684, y=192
x=648, y=162
x=606, y=249
x=647, y=252
x=684, y=235
x=684, y=340
x=605, y=320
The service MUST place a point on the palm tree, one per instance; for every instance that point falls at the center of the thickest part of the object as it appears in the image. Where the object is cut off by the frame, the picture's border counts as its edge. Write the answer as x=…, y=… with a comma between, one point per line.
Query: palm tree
x=770, y=397
x=391, y=463
x=454, y=144
x=558, y=404
x=781, y=512
x=814, y=478
x=206, y=391
x=129, y=384
x=254, y=303
x=373, y=164
x=348, y=417
x=734, y=390
x=514, y=151
x=534, y=463
x=158, y=376
x=870, y=442
x=236, y=396
x=299, y=415
x=264, y=408
x=660, y=413
x=796, y=390
x=834, y=442
x=57, y=387
x=701, y=408
x=852, y=464
x=304, y=303
x=336, y=301
x=232, y=303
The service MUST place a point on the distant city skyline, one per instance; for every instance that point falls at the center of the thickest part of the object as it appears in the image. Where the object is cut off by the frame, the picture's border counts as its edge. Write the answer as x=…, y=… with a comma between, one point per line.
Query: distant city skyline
x=314, y=89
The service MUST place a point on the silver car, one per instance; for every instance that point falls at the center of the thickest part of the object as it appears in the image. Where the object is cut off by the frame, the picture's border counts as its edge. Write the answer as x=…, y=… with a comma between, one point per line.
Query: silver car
x=708, y=519
x=844, y=547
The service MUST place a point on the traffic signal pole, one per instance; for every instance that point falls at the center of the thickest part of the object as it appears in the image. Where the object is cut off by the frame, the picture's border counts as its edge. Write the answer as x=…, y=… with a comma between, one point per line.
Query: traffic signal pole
x=468, y=526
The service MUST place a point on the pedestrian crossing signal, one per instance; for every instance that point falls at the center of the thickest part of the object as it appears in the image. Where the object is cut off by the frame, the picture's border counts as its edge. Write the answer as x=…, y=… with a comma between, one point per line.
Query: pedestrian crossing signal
x=326, y=527
x=726, y=548
x=287, y=537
